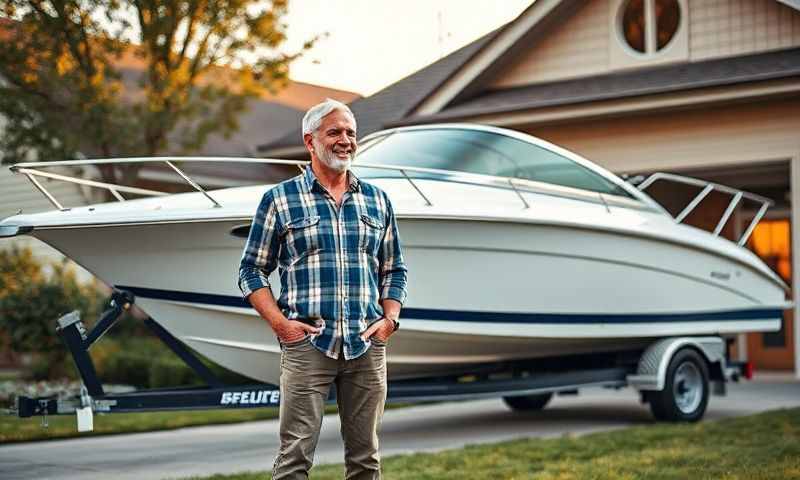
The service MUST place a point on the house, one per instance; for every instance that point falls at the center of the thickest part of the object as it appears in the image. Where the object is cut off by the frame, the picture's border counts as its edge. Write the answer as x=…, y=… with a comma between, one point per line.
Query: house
x=704, y=88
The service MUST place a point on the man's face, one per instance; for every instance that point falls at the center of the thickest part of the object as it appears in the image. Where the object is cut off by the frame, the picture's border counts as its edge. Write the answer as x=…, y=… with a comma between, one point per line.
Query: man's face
x=334, y=142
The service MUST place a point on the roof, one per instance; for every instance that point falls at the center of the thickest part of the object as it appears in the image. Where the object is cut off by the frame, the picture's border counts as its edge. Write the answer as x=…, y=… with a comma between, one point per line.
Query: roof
x=292, y=94
x=684, y=76
x=395, y=101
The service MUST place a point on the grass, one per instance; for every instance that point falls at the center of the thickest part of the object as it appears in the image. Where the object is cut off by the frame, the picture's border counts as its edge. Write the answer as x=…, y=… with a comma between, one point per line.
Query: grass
x=764, y=446
x=9, y=375
x=14, y=429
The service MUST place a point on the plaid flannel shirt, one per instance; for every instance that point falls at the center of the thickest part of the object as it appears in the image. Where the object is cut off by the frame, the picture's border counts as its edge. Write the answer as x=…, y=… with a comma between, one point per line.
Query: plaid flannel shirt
x=335, y=264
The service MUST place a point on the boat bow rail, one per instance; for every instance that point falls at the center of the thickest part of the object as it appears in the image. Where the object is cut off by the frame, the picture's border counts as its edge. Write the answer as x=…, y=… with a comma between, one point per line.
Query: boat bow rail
x=36, y=170
x=706, y=188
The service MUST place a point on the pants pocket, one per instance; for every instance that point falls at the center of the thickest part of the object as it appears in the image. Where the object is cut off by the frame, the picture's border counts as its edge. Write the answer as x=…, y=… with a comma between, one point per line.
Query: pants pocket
x=296, y=342
x=377, y=342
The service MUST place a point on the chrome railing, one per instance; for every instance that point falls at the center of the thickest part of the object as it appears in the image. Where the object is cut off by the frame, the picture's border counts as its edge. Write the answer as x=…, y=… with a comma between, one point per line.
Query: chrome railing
x=706, y=188
x=33, y=171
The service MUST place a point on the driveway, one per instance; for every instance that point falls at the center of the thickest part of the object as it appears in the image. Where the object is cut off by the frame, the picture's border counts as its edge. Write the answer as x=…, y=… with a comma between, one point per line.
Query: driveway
x=251, y=446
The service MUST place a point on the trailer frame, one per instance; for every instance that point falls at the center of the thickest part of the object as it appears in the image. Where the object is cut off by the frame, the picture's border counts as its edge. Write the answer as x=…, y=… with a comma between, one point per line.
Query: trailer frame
x=509, y=379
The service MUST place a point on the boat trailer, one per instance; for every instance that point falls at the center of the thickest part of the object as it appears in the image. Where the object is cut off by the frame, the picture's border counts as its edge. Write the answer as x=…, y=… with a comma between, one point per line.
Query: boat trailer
x=645, y=370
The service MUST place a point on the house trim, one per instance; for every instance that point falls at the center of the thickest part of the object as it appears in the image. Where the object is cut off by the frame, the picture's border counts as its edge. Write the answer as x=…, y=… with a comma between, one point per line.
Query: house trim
x=618, y=107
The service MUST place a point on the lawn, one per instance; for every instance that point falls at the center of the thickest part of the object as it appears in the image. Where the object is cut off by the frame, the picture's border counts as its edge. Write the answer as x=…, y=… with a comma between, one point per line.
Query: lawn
x=14, y=429
x=764, y=446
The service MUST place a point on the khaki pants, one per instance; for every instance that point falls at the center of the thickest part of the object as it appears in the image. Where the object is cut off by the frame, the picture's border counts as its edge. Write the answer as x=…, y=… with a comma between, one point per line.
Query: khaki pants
x=306, y=377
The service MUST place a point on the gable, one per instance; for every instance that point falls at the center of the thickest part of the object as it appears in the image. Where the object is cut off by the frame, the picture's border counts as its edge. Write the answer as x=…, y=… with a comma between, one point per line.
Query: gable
x=589, y=43
x=578, y=47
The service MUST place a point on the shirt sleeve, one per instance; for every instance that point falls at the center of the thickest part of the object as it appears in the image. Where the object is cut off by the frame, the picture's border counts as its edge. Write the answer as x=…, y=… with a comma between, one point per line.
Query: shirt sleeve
x=393, y=272
x=260, y=255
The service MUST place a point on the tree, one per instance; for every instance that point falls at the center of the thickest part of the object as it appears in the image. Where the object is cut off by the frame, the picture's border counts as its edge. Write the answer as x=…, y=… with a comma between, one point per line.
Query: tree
x=108, y=78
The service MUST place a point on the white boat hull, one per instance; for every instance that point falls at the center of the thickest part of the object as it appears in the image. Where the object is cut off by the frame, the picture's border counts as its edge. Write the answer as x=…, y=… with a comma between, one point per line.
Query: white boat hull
x=514, y=290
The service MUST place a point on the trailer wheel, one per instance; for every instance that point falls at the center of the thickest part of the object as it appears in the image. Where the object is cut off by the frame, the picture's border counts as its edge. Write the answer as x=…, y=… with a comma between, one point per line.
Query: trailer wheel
x=685, y=394
x=528, y=403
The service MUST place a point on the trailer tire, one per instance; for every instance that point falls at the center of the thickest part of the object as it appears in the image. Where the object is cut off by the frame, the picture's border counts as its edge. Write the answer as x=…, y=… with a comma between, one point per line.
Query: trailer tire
x=528, y=403
x=686, y=389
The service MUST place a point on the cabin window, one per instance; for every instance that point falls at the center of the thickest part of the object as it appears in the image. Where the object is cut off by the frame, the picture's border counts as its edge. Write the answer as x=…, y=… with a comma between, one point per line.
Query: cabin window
x=481, y=152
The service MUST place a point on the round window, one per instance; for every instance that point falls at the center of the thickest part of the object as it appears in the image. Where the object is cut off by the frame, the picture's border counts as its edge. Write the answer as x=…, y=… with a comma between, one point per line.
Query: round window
x=649, y=25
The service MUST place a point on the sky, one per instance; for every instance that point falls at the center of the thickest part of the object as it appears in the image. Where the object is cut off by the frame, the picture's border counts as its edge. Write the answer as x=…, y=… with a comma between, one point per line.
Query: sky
x=373, y=43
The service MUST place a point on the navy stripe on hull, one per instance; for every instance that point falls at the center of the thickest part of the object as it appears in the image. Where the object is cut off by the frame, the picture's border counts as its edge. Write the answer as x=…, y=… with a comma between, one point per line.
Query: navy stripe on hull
x=500, y=317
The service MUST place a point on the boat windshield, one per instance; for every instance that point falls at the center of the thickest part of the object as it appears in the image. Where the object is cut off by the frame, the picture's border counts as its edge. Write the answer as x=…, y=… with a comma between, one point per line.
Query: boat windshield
x=477, y=151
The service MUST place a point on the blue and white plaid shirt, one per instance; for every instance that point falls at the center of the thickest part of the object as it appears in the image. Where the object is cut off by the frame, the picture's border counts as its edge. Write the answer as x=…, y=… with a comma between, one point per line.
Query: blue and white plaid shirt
x=335, y=264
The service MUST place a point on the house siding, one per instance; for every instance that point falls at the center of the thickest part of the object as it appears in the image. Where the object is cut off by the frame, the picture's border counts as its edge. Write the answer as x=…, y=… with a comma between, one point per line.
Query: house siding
x=720, y=28
x=582, y=45
x=579, y=47
x=713, y=137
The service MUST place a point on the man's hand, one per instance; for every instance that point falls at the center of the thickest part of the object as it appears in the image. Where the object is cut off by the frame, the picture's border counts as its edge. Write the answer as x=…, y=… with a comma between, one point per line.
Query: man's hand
x=382, y=329
x=292, y=331
x=287, y=330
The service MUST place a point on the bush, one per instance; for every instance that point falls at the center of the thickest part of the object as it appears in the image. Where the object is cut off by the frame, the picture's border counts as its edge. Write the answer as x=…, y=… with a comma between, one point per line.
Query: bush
x=140, y=362
x=31, y=302
x=172, y=372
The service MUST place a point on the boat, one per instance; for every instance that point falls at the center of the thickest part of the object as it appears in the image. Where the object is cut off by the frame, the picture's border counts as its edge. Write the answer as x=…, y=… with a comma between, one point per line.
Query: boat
x=517, y=249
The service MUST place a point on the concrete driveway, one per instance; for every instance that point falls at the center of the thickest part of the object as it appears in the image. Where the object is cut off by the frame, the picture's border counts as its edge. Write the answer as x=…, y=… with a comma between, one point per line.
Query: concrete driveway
x=251, y=446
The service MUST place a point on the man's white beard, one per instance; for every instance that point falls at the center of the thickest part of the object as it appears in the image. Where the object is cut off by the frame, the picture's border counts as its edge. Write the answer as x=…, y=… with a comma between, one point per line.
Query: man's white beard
x=330, y=159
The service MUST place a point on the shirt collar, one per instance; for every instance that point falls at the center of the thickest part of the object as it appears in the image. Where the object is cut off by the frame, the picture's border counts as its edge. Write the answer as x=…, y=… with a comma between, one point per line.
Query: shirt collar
x=310, y=180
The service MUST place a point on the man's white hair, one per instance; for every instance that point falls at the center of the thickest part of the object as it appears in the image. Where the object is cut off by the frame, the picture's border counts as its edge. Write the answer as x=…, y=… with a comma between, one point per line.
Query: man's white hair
x=313, y=117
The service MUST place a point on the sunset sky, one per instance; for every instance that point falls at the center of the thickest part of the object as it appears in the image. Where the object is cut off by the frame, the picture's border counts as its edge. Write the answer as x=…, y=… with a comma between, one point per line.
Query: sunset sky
x=373, y=43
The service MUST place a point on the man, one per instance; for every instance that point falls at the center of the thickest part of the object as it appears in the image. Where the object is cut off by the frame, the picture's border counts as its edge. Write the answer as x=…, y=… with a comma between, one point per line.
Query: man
x=335, y=243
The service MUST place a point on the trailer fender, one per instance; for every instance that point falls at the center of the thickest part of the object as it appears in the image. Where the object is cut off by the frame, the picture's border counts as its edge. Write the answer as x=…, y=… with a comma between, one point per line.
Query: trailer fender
x=652, y=369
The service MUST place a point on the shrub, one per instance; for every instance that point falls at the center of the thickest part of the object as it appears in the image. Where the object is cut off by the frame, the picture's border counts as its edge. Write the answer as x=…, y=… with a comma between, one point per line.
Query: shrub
x=171, y=372
x=141, y=362
x=31, y=302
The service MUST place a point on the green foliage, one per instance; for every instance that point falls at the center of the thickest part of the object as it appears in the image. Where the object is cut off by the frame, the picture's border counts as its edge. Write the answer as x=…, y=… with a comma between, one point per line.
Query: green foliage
x=17, y=267
x=116, y=77
x=30, y=304
x=141, y=362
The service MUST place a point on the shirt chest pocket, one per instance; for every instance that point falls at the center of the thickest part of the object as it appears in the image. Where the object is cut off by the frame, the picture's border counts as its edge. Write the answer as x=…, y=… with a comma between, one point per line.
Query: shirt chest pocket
x=370, y=234
x=302, y=237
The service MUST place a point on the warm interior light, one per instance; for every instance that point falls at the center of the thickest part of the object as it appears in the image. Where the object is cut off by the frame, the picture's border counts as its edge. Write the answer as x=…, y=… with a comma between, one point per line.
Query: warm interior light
x=771, y=242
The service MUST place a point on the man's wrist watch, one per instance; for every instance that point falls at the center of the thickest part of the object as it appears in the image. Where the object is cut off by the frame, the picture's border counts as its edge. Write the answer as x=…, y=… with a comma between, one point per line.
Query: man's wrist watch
x=395, y=322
